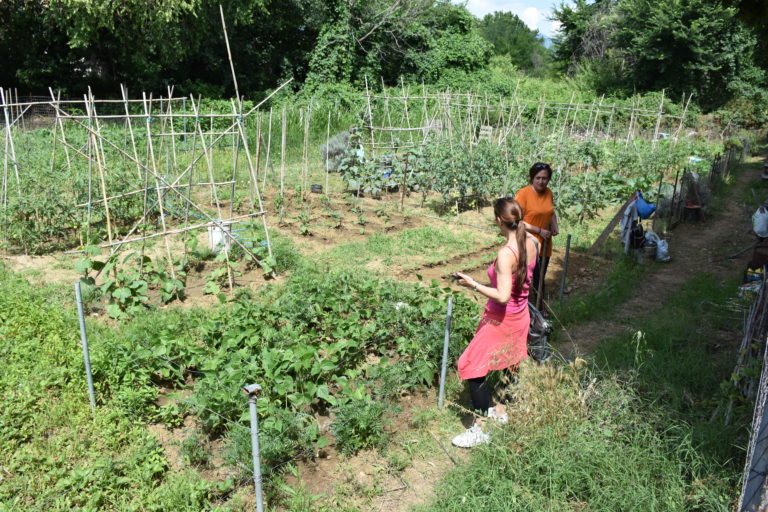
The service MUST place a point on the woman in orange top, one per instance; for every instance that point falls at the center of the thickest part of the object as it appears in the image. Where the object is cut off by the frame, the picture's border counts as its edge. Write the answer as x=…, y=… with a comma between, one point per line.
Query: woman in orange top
x=539, y=215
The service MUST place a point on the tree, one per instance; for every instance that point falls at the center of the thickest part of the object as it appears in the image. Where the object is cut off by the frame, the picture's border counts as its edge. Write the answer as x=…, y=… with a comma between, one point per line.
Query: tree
x=697, y=46
x=387, y=39
x=510, y=36
x=684, y=46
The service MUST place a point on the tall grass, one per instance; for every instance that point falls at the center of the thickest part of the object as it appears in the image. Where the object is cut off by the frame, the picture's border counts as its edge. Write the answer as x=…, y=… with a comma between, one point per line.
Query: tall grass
x=630, y=431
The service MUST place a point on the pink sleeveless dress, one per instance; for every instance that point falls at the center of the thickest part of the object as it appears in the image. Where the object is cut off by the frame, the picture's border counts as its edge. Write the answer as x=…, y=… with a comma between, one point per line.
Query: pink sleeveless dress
x=501, y=339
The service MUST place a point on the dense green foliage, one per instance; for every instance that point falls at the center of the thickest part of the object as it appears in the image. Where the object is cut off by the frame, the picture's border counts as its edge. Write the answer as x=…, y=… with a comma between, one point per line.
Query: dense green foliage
x=58, y=457
x=710, y=49
x=72, y=44
x=340, y=341
x=694, y=46
x=511, y=37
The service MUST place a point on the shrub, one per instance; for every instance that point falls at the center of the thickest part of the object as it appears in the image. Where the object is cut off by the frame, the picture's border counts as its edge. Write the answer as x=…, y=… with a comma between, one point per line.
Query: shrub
x=359, y=425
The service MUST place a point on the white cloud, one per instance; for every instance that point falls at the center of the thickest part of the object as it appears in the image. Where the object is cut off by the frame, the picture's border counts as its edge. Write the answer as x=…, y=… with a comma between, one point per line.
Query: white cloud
x=532, y=17
x=534, y=13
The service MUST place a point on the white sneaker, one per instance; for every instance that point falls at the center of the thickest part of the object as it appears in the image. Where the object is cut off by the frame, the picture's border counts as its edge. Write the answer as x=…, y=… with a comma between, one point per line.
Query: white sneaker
x=473, y=436
x=498, y=417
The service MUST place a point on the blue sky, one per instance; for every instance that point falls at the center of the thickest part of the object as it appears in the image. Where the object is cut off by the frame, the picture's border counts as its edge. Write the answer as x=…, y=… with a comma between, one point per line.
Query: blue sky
x=533, y=12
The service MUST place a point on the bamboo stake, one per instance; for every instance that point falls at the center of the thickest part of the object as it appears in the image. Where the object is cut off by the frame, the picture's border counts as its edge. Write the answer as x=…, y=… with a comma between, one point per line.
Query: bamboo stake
x=573, y=121
x=21, y=114
x=658, y=120
x=124, y=93
x=163, y=187
x=173, y=231
x=327, y=138
x=172, y=188
x=209, y=158
x=405, y=106
x=209, y=161
x=231, y=64
x=55, y=99
x=258, y=147
x=5, y=157
x=258, y=194
x=173, y=134
x=9, y=142
x=235, y=159
x=597, y=114
x=305, y=155
x=610, y=120
x=267, y=161
x=631, y=122
x=682, y=119
x=99, y=165
x=189, y=182
x=153, y=164
x=370, y=111
x=282, y=156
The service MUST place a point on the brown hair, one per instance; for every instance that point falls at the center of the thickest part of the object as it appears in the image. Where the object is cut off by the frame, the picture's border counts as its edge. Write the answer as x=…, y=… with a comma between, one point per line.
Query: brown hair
x=509, y=211
x=537, y=168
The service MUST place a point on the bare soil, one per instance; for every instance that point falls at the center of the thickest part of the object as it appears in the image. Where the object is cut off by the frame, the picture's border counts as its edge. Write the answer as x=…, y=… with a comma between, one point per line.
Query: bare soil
x=368, y=481
x=696, y=248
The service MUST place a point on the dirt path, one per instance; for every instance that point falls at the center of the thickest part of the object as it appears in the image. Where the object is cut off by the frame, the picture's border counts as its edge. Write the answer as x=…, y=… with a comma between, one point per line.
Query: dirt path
x=700, y=247
x=696, y=248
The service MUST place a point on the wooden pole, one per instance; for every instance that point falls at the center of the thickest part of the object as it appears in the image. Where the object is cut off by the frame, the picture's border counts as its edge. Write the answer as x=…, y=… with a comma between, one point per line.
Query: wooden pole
x=235, y=159
x=172, y=187
x=89, y=106
x=282, y=155
x=258, y=148
x=268, y=160
x=327, y=139
x=231, y=64
x=153, y=165
x=682, y=120
x=305, y=154
x=658, y=120
x=9, y=142
x=124, y=93
x=173, y=131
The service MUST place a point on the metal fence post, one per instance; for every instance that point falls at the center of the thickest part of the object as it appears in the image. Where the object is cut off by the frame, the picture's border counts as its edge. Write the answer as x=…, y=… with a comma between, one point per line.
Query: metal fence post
x=84, y=342
x=565, y=267
x=253, y=390
x=445, y=352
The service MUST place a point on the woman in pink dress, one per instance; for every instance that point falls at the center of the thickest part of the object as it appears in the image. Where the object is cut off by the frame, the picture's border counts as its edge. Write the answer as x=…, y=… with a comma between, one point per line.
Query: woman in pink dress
x=502, y=336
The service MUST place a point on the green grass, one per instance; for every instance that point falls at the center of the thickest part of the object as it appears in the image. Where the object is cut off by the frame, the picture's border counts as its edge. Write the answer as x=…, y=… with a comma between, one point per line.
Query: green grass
x=620, y=284
x=429, y=244
x=676, y=362
x=58, y=456
x=644, y=441
x=612, y=458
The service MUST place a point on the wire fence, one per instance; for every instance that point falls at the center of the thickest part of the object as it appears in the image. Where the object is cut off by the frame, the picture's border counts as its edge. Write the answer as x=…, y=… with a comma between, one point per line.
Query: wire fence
x=754, y=491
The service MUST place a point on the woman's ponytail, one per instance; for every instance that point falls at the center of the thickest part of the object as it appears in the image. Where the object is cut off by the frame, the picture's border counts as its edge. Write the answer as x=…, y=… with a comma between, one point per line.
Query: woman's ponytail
x=510, y=213
x=521, y=272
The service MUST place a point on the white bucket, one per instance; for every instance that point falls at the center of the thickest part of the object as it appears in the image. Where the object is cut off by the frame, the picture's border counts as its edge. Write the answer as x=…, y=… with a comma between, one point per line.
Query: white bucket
x=219, y=240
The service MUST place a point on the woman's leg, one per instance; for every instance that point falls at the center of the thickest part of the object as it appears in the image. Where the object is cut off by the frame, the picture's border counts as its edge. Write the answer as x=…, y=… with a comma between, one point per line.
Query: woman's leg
x=479, y=394
x=504, y=393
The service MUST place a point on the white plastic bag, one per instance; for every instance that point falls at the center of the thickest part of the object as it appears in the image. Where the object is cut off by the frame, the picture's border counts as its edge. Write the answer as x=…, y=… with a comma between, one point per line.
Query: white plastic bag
x=662, y=247
x=662, y=250
x=760, y=222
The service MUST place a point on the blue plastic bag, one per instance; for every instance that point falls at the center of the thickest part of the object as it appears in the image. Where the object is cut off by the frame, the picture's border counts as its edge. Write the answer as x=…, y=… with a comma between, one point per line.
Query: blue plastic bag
x=644, y=208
